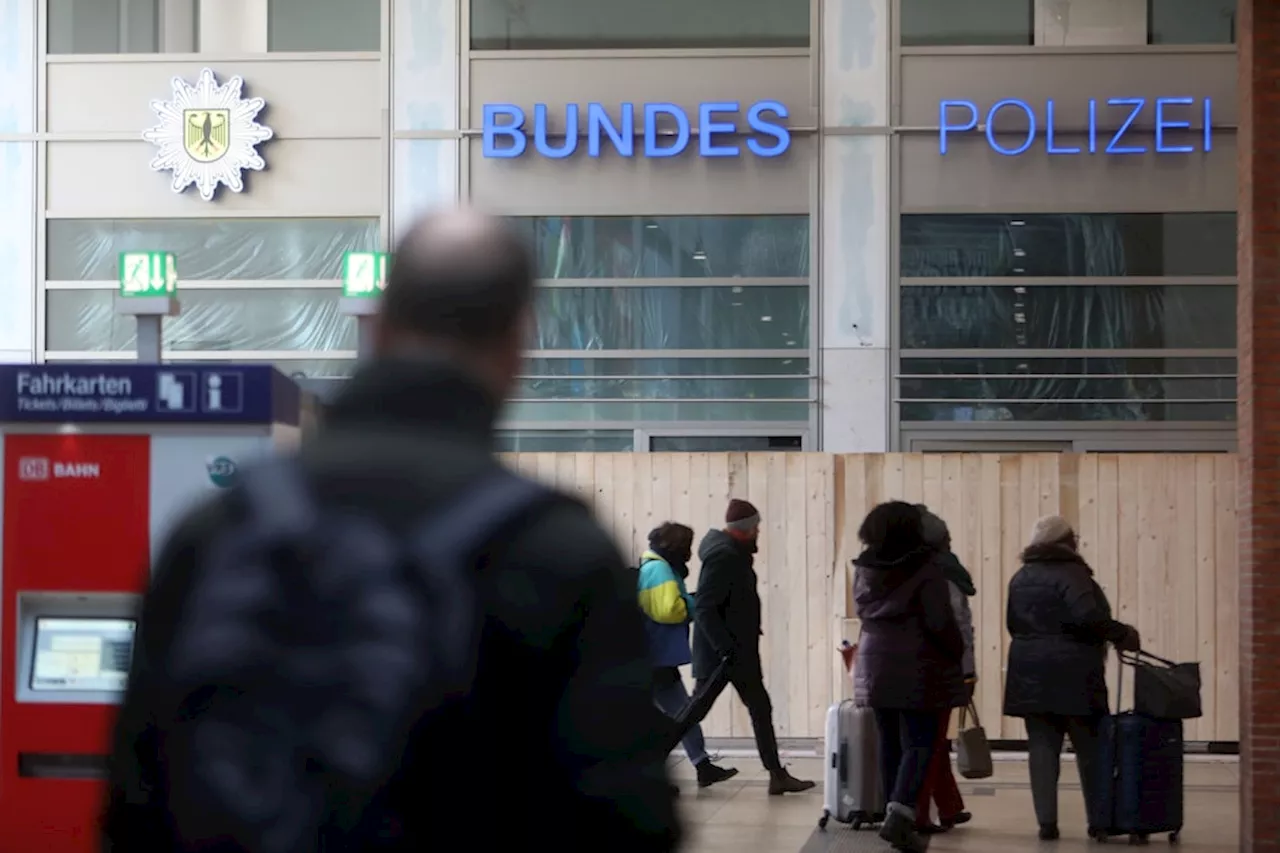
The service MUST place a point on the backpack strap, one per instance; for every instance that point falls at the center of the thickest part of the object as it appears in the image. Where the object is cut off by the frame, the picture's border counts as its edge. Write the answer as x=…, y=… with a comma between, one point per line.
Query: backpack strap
x=484, y=509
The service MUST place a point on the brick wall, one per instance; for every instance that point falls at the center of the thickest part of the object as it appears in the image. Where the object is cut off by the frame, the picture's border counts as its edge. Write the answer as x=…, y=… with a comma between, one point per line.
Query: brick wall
x=1259, y=410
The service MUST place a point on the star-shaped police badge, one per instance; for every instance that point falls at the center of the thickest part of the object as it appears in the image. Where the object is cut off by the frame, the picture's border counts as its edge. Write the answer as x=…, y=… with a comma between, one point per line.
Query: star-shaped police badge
x=208, y=134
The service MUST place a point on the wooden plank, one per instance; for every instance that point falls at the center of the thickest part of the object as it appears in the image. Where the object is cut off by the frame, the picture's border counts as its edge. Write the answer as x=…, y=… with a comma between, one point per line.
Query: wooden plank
x=988, y=609
x=1206, y=594
x=744, y=482
x=677, y=470
x=1128, y=531
x=892, y=480
x=584, y=474
x=819, y=563
x=720, y=479
x=913, y=468
x=624, y=500
x=642, y=517
x=1227, y=725
x=795, y=580
x=1014, y=485
x=1181, y=612
x=776, y=585
x=566, y=473
x=545, y=470
x=931, y=481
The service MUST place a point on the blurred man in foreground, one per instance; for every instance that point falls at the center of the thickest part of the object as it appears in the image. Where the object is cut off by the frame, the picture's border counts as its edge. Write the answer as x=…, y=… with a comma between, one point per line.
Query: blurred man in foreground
x=391, y=642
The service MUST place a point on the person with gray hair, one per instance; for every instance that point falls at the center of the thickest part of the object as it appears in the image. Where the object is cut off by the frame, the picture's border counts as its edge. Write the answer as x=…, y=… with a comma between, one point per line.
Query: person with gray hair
x=1060, y=622
x=940, y=789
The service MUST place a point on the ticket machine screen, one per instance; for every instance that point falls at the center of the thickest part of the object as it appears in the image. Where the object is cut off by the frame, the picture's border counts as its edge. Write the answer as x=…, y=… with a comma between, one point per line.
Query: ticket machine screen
x=89, y=654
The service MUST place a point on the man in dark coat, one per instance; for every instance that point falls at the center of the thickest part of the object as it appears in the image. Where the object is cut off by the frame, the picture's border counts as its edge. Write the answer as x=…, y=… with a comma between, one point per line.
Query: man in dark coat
x=1060, y=623
x=727, y=627
x=909, y=656
x=558, y=723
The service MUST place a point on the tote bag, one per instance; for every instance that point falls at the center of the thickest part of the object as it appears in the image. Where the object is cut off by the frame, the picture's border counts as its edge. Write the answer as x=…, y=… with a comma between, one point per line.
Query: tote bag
x=973, y=750
x=1164, y=689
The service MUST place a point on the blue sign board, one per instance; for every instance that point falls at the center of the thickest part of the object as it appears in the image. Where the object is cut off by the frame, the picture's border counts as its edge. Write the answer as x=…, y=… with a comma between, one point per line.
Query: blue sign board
x=716, y=124
x=1166, y=114
x=145, y=393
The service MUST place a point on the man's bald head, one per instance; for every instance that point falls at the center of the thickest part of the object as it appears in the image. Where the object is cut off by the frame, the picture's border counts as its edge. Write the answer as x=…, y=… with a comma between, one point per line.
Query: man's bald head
x=459, y=280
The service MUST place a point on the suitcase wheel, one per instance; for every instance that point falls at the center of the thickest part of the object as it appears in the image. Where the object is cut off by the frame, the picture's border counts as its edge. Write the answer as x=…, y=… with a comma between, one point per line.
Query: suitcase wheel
x=1175, y=837
x=822, y=821
x=1139, y=840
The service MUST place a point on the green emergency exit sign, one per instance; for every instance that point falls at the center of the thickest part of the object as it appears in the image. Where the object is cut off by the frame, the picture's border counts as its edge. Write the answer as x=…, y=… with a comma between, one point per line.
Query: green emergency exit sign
x=364, y=274
x=148, y=274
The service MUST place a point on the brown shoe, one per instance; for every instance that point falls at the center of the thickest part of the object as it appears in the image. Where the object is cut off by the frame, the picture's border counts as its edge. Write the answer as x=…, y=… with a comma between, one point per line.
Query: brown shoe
x=781, y=782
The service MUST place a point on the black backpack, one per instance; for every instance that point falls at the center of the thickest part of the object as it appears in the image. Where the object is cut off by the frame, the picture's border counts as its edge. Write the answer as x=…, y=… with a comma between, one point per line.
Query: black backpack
x=314, y=641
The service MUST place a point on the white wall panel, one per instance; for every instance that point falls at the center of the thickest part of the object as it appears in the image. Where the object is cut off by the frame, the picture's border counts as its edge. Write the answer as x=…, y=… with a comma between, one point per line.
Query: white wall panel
x=425, y=60
x=855, y=218
x=855, y=63
x=17, y=181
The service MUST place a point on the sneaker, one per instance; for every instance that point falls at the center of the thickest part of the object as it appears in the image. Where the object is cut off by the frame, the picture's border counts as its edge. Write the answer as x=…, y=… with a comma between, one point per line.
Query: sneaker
x=1049, y=832
x=900, y=831
x=781, y=782
x=709, y=774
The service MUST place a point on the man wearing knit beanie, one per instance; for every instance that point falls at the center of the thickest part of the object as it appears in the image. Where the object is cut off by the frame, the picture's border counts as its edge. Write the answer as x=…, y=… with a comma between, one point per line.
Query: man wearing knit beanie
x=727, y=627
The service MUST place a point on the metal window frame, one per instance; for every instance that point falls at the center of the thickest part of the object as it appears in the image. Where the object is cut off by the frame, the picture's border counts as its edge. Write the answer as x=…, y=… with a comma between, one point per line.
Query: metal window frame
x=756, y=430
x=1072, y=281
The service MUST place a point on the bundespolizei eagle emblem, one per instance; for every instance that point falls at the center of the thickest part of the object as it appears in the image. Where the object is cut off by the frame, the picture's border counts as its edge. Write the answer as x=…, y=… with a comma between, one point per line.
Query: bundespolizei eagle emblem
x=208, y=134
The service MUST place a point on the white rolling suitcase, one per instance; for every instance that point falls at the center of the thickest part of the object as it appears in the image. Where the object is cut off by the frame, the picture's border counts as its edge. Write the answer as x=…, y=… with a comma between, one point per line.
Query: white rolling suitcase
x=853, y=792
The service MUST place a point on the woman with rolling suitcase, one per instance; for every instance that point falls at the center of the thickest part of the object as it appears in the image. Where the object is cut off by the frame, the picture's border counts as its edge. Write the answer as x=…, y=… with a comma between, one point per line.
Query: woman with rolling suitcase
x=909, y=656
x=1060, y=623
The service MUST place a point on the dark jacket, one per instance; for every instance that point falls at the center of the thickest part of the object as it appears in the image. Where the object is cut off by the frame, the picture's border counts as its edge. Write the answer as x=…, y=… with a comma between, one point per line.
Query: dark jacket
x=561, y=706
x=910, y=649
x=1060, y=623
x=726, y=609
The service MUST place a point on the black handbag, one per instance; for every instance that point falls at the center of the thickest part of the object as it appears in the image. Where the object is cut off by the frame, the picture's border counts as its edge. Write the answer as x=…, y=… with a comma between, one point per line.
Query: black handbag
x=1164, y=689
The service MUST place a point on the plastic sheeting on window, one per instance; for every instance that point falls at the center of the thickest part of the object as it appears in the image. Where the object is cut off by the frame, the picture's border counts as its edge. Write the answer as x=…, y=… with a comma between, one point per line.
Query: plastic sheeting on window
x=664, y=389
x=641, y=411
x=211, y=320
x=324, y=25
x=668, y=246
x=604, y=318
x=995, y=245
x=1075, y=317
x=1068, y=389
x=564, y=441
x=604, y=367
x=210, y=249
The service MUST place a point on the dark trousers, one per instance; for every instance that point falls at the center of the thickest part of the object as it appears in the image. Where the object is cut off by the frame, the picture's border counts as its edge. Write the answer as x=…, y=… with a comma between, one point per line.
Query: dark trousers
x=907, y=739
x=748, y=681
x=1045, y=733
x=940, y=786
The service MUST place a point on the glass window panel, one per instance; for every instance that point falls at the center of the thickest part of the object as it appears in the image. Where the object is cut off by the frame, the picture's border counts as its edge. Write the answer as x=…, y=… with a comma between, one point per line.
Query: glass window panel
x=1067, y=411
x=103, y=26
x=603, y=24
x=604, y=318
x=659, y=389
x=1201, y=367
x=723, y=443
x=1068, y=244
x=1192, y=21
x=1068, y=388
x=1121, y=317
x=668, y=246
x=565, y=441
x=213, y=320
x=639, y=412
x=324, y=25
x=967, y=22
x=575, y=367
x=209, y=249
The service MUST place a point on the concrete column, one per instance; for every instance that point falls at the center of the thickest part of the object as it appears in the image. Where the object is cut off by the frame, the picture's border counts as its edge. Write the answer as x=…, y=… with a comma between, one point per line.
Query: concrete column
x=18, y=182
x=425, y=58
x=233, y=26
x=1259, y=424
x=1088, y=23
x=854, y=262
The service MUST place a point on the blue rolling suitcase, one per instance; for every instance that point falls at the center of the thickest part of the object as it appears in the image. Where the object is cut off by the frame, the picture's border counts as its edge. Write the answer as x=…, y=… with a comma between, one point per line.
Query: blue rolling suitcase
x=1139, y=777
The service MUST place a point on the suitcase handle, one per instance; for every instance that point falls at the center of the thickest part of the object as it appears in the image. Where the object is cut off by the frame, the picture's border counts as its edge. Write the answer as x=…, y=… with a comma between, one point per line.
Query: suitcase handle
x=842, y=764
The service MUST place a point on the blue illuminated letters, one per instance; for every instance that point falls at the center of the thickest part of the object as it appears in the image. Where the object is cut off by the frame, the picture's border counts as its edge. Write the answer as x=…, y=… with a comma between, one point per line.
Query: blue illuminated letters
x=1110, y=126
x=664, y=131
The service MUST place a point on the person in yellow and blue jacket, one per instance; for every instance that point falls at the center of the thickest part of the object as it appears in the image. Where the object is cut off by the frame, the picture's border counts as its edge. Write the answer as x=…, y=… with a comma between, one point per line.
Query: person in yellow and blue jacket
x=668, y=608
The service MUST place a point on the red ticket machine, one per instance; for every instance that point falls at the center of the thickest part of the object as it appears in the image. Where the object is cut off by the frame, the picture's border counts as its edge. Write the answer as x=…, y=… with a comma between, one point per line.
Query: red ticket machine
x=84, y=507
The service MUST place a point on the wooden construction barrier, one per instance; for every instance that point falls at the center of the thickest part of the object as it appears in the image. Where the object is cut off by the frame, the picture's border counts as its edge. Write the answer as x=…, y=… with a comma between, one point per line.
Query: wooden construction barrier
x=1158, y=529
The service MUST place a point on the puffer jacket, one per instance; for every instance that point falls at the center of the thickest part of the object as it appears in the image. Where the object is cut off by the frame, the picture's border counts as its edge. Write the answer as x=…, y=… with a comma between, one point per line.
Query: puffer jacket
x=727, y=608
x=1060, y=623
x=910, y=648
x=668, y=608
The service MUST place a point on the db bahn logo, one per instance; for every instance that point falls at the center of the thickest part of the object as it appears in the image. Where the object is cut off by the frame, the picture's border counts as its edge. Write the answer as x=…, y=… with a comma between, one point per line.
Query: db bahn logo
x=36, y=468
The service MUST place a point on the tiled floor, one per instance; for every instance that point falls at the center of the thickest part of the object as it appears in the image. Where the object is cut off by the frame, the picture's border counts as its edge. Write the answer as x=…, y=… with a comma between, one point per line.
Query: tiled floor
x=739, y=816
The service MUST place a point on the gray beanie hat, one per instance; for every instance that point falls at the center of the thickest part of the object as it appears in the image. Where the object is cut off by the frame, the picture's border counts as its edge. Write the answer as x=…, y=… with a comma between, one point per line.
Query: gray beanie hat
x=933, y=528
x=1051, y=530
